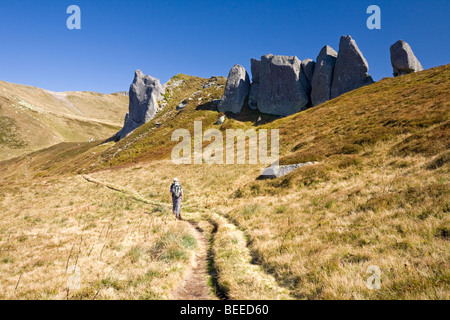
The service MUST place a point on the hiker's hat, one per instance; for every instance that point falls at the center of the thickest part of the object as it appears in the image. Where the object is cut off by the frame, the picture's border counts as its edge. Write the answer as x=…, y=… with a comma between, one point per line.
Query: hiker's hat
x=175, y=179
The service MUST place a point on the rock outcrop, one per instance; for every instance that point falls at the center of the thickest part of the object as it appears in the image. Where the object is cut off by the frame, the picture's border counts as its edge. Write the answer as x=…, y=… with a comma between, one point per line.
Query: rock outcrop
x=182, y=105
x=403, y=59
x=144, y=94
x=237, y=90
x=280, y=171
x=281, y=90
x=221, y=120
x=323, y=76
x=284, y=85
x=350, y=71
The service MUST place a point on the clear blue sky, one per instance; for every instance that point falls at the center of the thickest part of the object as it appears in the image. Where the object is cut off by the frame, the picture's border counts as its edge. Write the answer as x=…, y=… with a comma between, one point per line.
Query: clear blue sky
x=200, y=37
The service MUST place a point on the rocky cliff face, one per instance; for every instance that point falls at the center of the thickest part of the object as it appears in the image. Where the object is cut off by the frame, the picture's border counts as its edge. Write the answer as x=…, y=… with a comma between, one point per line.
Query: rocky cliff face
x=144, y=94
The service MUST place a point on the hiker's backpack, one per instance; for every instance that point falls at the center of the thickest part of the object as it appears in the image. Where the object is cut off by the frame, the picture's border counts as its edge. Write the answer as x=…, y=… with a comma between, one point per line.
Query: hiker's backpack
x=176, y=190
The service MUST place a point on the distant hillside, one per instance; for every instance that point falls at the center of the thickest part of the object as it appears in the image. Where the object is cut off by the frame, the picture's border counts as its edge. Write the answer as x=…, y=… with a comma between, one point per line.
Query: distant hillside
x=33, y=118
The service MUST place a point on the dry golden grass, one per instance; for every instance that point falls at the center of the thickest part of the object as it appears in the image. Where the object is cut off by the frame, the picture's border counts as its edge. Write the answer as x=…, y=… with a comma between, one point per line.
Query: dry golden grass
x=106, y=108
x=379, y=196
x=238, y=278
x=124, y=248
x=33, y=118
x=320, y=238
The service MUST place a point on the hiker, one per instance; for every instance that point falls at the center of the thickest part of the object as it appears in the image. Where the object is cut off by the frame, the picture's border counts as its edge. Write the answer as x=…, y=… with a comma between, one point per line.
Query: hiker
x=177, y=195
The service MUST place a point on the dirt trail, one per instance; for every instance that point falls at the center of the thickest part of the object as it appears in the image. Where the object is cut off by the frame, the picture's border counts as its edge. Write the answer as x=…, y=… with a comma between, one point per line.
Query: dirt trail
x=195, y=284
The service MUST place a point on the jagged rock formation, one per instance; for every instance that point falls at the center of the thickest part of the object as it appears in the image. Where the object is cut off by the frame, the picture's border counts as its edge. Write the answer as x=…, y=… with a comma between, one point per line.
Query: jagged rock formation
x=284, y=85
x=403, y=59
x=144, y=94
x=237, y=90
x=323, y=76
x=281, y=87
x=350, y=71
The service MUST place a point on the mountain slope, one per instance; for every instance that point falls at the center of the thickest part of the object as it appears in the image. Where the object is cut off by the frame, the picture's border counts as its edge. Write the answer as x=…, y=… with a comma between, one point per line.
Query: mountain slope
x=412, y=106
x=379, y=195
x=33, y=118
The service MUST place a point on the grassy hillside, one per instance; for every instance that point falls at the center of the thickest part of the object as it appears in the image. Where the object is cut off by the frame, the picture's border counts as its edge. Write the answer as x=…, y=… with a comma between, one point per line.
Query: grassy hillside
x=150, y=141
x=378, y=197
x=33, y=118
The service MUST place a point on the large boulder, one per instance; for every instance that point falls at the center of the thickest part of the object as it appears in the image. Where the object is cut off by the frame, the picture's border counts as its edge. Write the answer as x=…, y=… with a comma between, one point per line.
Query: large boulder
x=237, y=90
x=143, y=106
x=403, y=59
x=350, y=71
x=323, y=76
x=281, y=90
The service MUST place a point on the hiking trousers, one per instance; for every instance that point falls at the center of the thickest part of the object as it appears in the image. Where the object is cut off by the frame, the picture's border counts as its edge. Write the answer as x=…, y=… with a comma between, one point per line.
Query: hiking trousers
x=176, y=206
